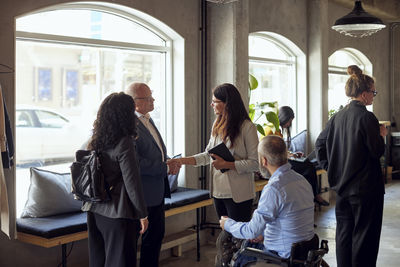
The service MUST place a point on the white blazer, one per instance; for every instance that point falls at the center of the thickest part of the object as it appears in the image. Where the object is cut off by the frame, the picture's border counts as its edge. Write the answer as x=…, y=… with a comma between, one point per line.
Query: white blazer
x=244, y=151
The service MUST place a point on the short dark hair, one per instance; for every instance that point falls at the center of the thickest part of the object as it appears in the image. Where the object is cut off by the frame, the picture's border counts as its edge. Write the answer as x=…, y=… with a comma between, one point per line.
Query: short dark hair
x=116, y=118
x=273, y=148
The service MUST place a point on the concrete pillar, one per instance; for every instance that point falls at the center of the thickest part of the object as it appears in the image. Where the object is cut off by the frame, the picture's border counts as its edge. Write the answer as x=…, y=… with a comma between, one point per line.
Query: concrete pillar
x=317, y=67
x=395, y=79
x=228, y=31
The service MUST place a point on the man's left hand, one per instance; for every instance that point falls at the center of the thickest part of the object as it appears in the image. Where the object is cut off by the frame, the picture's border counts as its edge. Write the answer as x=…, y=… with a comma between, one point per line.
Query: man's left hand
x=222, y=222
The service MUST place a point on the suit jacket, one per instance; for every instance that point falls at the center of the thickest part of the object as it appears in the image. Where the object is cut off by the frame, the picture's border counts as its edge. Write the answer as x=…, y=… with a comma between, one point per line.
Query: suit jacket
x=120, y=168
x=245, y=153
x=153, y=168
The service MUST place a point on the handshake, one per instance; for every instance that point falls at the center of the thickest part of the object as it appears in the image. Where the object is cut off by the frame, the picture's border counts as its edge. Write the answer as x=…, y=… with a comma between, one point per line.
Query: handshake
x=174, y=165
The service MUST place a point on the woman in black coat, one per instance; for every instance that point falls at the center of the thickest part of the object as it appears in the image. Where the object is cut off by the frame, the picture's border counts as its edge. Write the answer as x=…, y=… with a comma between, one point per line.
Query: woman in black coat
x=114, y=226
x=350, y=148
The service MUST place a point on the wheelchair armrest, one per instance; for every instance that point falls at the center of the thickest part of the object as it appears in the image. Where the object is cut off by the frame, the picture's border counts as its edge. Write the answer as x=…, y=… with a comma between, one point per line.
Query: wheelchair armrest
x=261, y=255
x=324, y=245
x=314, y=257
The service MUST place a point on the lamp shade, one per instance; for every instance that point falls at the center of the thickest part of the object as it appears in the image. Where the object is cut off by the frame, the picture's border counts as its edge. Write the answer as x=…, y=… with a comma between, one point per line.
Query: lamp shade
x=358, y=23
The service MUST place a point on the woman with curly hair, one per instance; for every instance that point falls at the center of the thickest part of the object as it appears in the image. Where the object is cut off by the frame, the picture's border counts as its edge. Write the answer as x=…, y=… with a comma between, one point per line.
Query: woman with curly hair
x=114, y=225
x=350, y=148
x=233, y=190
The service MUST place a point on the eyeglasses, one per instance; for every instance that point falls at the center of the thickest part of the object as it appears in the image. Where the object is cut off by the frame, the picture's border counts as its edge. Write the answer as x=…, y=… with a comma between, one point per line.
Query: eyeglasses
x=147, y=98
x=215, y=101
x=374, y=92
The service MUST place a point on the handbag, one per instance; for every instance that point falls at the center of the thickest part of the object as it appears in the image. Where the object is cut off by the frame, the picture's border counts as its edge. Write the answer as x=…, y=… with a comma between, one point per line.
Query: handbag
x=88, y=182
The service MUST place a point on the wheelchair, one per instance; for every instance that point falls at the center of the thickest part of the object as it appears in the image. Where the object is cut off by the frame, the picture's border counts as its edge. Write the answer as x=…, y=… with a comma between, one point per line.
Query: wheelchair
x=303, y=254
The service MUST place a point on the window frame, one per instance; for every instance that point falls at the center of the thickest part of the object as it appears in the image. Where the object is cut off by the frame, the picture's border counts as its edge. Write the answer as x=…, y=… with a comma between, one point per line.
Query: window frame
x=173, y=70
x=293, y=62
x=167, y=117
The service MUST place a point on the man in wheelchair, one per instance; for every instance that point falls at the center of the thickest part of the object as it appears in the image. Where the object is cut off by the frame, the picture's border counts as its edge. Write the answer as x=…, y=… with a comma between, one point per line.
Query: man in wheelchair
x=285, y=212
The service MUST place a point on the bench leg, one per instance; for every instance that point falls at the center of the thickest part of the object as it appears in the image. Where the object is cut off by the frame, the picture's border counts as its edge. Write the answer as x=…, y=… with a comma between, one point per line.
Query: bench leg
x=198, y=232
x=64, y=255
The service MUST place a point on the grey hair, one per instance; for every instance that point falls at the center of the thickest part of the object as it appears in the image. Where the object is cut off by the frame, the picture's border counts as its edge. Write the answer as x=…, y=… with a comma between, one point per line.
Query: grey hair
x=274, y=149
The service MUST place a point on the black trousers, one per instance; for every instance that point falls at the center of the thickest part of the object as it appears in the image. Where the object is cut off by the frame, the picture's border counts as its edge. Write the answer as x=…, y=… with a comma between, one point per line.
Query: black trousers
x=112, y=242
x=240, y=212
x=152, y=238
x=358, y=230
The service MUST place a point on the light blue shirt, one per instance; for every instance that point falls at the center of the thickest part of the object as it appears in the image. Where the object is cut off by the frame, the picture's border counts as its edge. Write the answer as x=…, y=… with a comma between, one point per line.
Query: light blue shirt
x=285, y=213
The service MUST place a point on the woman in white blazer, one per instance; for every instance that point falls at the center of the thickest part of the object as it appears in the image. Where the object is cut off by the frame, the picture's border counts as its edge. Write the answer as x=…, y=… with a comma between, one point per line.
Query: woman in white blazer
x=232, y=190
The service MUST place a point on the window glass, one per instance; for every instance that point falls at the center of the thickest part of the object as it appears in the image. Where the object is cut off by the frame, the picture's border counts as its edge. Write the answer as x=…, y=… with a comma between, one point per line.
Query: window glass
x=338, y=63
x=88, y=24
x=265, y=48
x=336, y=93
x=342, y=58
x=24, y=119
x=50, y=119
x=61, y=81
x=275, y=73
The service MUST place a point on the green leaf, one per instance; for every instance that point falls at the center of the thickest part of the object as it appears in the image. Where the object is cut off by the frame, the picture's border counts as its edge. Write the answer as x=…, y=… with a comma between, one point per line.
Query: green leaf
x=252, y=111
x=253, y=83
x=269, y=104
x=260, y=129
x=273, y=118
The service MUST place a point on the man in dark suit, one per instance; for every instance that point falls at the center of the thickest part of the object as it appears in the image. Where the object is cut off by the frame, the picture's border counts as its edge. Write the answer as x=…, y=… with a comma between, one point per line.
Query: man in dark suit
x=152, y=156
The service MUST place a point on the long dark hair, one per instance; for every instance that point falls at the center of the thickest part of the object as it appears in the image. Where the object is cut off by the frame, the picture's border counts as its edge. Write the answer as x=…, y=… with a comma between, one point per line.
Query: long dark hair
x=285, y=114
x=116, y=118
x=227, y=125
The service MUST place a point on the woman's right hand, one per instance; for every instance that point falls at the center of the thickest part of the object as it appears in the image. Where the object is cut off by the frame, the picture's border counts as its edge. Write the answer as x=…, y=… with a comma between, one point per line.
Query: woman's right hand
x=383, y=130
x=144, y=223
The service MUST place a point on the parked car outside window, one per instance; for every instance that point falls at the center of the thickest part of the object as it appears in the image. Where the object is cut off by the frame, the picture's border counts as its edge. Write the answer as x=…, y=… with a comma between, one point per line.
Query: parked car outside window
x=44, y=135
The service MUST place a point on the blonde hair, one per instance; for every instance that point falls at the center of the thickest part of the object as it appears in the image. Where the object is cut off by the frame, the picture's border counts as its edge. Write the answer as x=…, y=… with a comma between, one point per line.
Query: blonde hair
x=357, y=82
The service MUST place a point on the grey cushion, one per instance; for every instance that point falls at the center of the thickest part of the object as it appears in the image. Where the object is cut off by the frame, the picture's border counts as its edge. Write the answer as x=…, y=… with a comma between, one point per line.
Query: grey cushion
x=49, y=194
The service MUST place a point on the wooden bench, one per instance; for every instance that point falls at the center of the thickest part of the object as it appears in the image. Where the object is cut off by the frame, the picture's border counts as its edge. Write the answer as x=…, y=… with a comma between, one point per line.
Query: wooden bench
x=66, y=228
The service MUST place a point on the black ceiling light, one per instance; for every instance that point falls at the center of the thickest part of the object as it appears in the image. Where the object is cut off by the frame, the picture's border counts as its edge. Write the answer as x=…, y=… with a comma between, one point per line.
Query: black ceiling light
x=222, y=1
x=358, y=23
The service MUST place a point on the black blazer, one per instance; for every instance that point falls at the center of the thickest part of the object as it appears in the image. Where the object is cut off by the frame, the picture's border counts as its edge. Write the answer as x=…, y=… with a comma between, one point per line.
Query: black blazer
x=350, y=148
x=153, y=168
x=121, y=169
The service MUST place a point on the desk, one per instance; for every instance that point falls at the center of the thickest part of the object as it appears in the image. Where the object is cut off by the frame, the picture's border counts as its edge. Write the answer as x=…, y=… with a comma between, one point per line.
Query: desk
x=259, y=184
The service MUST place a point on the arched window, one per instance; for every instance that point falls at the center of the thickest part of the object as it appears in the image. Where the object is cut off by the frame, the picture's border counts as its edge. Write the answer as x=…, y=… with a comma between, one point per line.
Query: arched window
x=279, y=66
x=338, y=63
x=68, y=58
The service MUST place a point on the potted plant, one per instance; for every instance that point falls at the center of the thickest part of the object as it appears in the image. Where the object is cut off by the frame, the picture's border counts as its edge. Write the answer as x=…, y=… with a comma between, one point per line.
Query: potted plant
x=267, y=109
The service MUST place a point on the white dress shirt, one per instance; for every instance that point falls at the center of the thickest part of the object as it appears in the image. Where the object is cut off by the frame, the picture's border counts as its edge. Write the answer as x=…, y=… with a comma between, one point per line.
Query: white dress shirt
x=145, y=119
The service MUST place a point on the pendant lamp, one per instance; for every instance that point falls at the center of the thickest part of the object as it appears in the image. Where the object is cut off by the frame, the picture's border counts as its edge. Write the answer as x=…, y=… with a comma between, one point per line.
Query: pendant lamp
x=222, y=1
x=358, y=23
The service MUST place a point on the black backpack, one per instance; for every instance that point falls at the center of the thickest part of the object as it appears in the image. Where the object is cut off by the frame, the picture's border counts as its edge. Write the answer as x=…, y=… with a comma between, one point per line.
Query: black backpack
x=88, y=183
